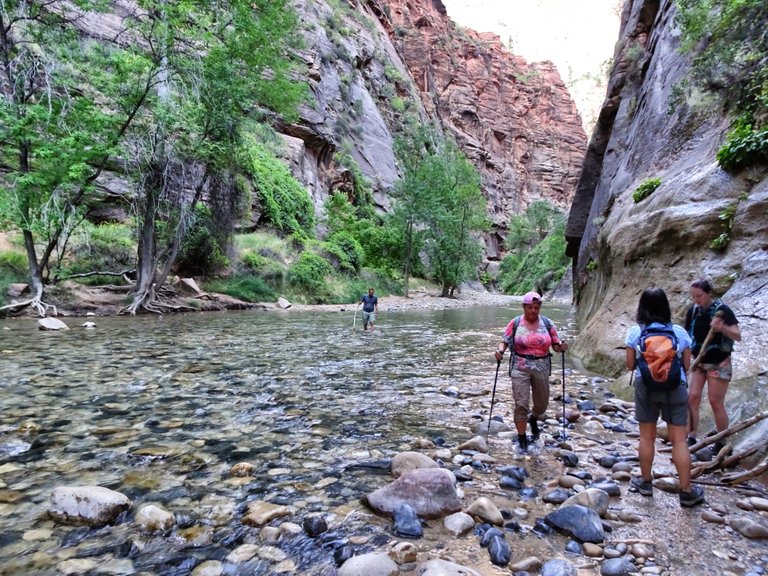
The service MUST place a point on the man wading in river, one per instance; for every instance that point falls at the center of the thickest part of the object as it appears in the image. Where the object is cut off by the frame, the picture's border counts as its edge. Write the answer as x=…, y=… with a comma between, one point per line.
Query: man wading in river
x=370, y=309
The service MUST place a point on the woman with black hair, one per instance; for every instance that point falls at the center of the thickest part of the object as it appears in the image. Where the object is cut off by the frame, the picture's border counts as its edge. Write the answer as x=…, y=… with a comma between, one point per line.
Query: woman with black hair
x=710, y=315
x=653, y=311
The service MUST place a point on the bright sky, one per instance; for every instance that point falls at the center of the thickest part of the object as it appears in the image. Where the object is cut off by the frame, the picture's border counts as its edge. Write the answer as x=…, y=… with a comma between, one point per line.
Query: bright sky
x=578, y=37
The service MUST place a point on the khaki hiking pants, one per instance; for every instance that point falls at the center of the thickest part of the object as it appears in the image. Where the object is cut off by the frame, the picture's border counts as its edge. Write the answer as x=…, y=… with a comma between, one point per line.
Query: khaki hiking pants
x=525, y=384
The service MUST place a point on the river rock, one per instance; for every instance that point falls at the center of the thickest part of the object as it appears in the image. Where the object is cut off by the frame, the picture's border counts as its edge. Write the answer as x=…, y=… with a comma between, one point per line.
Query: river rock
x=314, y=525
x=486, y=511
x=597, y=500
x=477, y=443
x=153, y=518
x=496, y=426
x=208, y=568
x=558, y=568
x=430, y=492
x=579, y=522
x=407, y=461
x=51, y=324
x=459, y=523
x=499, y=550
x=283, y=303
x=617, y=567
x=404, y=552
x=749, y=528
x=372, y=564
x=443, y=568
x=406, y=523
x=91, y=505
x=260, y=513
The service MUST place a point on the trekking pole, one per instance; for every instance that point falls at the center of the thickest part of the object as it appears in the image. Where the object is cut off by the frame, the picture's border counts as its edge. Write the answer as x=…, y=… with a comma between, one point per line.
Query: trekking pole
x=493, y=398
x=703, y=349
x=562, y=360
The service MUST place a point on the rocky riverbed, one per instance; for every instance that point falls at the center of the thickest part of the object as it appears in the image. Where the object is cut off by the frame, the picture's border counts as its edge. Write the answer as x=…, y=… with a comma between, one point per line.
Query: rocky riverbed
x=505, y=520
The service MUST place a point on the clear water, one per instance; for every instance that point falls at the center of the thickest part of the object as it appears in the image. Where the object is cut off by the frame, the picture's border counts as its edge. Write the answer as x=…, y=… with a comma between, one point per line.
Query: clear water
x=160, y=408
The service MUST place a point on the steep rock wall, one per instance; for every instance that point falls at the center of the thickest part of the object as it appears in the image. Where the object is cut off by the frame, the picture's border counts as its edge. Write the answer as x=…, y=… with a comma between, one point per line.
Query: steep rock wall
x=515, y=121
x=621, y=247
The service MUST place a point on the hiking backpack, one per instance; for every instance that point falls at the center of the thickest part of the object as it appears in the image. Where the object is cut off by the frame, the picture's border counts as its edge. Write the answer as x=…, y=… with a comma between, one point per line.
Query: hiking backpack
x=657, y=358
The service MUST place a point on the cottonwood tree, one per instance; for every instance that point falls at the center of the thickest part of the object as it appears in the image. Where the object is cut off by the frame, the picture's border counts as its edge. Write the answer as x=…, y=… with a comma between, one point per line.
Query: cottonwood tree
x=164, y=99
x=55, y=136
x=216, y=68
x=452, y=245
x=440, y=208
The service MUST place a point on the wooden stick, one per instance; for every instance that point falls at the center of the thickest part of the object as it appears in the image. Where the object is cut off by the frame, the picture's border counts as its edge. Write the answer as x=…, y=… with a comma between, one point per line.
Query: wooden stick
x=703, y=349
x=739, y=477
x=727, y=432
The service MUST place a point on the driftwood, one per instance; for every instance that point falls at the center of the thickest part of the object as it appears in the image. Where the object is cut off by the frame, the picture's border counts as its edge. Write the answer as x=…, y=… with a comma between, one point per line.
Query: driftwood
x=703, y=443
x=739, y=477
x=703, y=349
x=124, y=274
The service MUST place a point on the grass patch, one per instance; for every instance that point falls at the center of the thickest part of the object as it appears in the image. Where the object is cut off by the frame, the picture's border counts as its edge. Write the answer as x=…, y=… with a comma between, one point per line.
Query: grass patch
x=243, y=287
x=13, y=270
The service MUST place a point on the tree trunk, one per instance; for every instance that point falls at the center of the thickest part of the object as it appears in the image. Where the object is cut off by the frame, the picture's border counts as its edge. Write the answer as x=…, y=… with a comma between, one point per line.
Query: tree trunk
x=408, y=256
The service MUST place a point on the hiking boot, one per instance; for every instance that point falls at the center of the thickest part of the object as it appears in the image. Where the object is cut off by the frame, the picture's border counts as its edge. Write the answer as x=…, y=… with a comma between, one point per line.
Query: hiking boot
x=691, y=441
x=693, y=497
x=522, y=442
x=644, y=487
x=534, y=422
x=717, y=446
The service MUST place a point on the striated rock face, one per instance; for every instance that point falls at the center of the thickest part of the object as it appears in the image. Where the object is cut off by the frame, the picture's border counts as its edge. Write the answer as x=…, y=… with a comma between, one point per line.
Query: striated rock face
x=515, y=121
x=621, y=247
x=372, y=62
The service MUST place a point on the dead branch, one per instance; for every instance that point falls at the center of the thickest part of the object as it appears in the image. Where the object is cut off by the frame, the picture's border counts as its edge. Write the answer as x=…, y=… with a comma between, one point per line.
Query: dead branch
x=703, y=443
x=717, y=462
x=739, y=477
x=97, y=273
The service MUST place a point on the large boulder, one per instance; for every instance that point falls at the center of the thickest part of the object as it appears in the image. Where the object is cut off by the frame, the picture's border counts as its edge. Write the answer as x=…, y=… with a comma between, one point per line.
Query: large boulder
x=430, y=492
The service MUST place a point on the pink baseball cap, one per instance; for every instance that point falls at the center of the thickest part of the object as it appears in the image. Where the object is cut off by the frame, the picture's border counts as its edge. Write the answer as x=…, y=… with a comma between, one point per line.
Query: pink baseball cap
x=531, y=297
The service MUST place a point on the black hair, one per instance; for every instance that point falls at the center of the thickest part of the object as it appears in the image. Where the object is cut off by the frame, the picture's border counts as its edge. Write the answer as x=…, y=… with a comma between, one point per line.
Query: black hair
x=703, y=285
x=653, y=307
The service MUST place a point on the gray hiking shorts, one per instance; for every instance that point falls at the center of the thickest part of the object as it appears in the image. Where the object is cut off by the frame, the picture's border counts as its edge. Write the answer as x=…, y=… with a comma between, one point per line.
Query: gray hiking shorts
x=369, y=318
x=672, y=405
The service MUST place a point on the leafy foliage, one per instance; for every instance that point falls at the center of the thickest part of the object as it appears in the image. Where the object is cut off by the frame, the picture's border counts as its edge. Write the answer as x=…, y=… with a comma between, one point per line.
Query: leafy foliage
x=439, y=207
x=744, y=146
x=286, y=203
x=645, y=189
x=201, y=252
x=536, y=245
x=244, y=287
x=542, y=267
x=309, y=273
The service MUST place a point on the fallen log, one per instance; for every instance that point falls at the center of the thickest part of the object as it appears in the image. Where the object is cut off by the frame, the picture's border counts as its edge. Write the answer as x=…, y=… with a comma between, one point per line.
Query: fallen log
x=704, y=442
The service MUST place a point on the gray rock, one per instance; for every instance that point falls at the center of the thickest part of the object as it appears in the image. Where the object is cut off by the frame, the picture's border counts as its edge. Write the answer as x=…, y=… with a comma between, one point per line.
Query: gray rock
x=431, y=494
x=91, y=505
x=579, y=522
x=558, y=568
x=617, y=567
x=373, y=564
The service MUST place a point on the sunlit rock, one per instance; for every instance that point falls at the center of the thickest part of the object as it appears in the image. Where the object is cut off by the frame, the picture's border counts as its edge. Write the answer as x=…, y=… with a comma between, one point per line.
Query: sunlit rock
x=92, y=505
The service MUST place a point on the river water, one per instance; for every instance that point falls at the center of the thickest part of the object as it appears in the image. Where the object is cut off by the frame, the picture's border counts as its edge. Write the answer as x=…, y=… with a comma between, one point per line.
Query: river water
x=161, y=408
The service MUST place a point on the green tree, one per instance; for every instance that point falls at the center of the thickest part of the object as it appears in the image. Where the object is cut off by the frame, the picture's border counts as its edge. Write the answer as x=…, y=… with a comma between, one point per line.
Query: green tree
x=439, y=208
x=459, y=213
x=213, y=67
x=730, y=50
x=55, y=137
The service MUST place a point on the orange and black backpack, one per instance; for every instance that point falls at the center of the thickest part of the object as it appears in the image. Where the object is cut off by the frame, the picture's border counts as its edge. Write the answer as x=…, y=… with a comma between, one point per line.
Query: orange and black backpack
x=657, y=358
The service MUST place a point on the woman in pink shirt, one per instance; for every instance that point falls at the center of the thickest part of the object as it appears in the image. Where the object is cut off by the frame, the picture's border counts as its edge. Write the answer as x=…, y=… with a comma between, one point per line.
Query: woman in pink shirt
x=530, y=337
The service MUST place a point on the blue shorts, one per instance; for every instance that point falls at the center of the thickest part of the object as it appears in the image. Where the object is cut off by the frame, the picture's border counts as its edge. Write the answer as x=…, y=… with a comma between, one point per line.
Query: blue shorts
x=672, y=405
